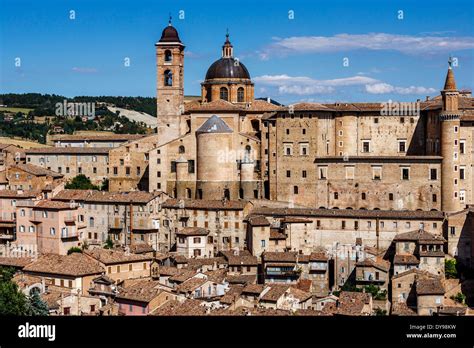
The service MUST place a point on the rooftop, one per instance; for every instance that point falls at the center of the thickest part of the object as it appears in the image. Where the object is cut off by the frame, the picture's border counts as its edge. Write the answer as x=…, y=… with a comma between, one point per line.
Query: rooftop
x=75, y=264
x=111, y=257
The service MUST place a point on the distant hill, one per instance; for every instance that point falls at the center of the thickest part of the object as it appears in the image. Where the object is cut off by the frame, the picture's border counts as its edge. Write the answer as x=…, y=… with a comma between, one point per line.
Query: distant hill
x=44, y=104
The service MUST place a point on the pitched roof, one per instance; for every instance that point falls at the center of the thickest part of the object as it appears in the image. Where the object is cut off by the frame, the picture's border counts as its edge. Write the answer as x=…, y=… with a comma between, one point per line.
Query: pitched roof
x=98, y=137
x=274, y=292
x=352, y=303
x=19, y=194
x=139, y=197
x=72, y=195
x=204, y=204
x=378, y=262
x=253, y=289
x=69, y=150
x=258, y=220
x=420, y=236
x=112, y=256
x=54, y=205
x=36, y=170
x=191, y=284
x=288, y=256
x=18, y=262
x=388, y=214
x=75, y=264
x=405, y=260
x=214, y=124
x=140, y=291
x=429, y=286
x=189, y=307
x=192, y=231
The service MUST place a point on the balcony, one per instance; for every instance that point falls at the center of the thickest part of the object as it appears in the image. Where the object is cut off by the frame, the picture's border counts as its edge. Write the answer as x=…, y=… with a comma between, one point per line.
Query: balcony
x=4, y=236
x=69, y=220
x=369, y=278
x=69, y=235
x=281, y=272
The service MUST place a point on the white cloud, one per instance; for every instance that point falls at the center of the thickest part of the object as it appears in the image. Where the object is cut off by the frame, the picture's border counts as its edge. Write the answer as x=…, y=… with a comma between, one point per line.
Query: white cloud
x=407, y=44
x=303, y=85
x=383, y=88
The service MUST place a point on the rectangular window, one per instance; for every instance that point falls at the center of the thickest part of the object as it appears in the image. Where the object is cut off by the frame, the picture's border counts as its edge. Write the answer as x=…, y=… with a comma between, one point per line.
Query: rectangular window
x=288, y=148
x=350, y=173
x=366, y=146
x=288, y=173
x=376, y=173
x=262, y=243
x=402, y=146
x=462, y=173
x=191, y=166
x=322, y=172
x=462, y=196
x=405, y=173
x=462, y=146
x=127, y=171
x=433, y=174
x=304, y=149
x=303, y=174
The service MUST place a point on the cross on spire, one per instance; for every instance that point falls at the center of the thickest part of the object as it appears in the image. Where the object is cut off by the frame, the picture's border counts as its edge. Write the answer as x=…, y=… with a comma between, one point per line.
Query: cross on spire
x=169, y=21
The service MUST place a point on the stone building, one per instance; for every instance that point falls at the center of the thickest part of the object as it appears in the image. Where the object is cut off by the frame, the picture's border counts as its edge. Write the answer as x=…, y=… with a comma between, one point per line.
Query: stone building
x=419, y=249
x=32, y=177
x=72, y=161
x=49, y=226
x=223, y=218
x=92, y=140
x=127, y=218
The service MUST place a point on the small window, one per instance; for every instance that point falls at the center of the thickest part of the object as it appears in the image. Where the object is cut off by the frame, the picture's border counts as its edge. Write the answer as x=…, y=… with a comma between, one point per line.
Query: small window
x=181, y=149
x=224, y=93
x=433, y=174
x=405, y=174
x=402, y=146
x=168, y=56
x=366, y=146
x=240, y=95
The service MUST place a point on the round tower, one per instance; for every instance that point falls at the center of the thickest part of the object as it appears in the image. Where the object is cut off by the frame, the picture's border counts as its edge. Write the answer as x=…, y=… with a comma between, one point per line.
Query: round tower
x=215, y=165
x=450, y=135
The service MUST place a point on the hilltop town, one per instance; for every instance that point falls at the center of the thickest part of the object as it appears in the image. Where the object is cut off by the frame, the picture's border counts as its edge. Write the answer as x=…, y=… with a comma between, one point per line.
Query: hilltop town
x=239, y=205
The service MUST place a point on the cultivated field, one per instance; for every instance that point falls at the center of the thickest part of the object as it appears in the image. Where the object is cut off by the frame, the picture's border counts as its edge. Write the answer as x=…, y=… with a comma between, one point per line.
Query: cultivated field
x=25, y=144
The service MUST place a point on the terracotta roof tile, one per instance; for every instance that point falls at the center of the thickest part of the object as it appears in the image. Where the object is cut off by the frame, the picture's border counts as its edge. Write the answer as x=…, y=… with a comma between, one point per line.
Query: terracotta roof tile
x=112, y=257
x=75, y=264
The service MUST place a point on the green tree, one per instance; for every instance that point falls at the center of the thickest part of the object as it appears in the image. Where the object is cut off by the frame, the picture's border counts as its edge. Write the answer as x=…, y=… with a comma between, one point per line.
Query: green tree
x=109, y=244
x=12, y=301
x=74, y=250
x=37, y=306
x=450, y=268
x=105, y=185
x=459, y=298
x=81, y=182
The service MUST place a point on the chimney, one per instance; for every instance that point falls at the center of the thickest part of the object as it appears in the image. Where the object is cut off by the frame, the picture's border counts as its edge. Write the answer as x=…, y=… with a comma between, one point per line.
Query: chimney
x=427, y=98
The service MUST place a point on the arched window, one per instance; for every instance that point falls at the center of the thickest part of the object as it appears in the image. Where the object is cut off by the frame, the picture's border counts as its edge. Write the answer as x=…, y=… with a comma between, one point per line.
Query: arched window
x=168, y=56
x=240, y=95
x=91, y=222
x=248, y=152
x=181, y=149
x=224, y=93
x=168, y=76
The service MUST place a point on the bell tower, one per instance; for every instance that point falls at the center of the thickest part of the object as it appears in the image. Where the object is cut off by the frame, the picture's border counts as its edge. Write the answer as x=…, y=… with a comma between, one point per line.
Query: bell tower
x=169, y=83
x=450, y=135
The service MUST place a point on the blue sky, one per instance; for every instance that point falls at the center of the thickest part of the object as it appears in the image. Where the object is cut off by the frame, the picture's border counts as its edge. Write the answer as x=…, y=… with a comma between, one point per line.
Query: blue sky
x=289, y=59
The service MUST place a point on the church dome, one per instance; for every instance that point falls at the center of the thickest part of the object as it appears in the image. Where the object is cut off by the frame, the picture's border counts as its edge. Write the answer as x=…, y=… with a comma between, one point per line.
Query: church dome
x=170, y=34
x=227, y=68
